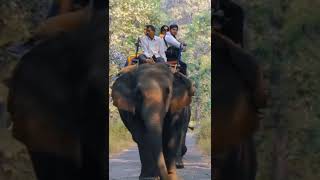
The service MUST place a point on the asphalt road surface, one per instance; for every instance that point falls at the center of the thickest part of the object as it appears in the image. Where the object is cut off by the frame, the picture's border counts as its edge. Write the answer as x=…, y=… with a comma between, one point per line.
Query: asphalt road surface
x=127, y=164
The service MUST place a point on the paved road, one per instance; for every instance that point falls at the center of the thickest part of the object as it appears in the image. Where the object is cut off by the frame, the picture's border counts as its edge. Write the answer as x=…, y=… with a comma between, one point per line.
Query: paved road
x=127, y=164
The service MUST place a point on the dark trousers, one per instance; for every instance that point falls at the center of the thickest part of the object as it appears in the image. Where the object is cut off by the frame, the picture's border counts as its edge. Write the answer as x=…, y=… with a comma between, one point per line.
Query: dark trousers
x=143, y=58
x=183, y=66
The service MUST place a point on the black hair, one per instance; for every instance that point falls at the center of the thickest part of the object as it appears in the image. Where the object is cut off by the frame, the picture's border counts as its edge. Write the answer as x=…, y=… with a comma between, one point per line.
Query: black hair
x=174, y=26
x=151, y=27
x=162, y=28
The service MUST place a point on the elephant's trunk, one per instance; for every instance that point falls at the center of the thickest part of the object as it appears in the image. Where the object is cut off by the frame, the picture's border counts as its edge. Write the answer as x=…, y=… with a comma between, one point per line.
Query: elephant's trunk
x=154, y=139
x=152, y=114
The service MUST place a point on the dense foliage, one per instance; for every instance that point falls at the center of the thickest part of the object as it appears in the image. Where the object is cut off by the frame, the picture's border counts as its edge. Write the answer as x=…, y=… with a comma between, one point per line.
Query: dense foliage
x=284, y=35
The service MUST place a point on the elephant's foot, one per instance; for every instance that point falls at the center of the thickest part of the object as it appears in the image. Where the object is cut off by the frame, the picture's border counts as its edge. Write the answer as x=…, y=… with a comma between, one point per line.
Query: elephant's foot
x=149, y=178
x=184, y=150
x=174, y=176
x=179, y=163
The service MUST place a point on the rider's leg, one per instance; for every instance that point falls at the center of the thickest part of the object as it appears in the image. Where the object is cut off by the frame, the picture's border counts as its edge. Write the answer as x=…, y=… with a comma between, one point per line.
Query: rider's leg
x=183, y=67
x=142, y=58
x=159, y=60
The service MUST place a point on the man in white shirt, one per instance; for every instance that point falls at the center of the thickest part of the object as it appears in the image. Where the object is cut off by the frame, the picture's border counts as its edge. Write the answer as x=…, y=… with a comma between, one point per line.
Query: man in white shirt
x=143, y=36
x=174, y=46
x=153, y=47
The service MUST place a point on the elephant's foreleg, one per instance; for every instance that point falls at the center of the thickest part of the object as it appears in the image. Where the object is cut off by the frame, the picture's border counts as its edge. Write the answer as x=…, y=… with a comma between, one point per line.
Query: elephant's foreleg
x=154, y=142
x=148, y=165
x=171, y=144
x=136, y=127
x=180, y=150
x=148, y=169
x=130, y=122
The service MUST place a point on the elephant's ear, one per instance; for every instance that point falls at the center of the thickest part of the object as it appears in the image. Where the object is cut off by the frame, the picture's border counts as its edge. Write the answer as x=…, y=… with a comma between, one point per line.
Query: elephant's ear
x=123, y=93
x=183, y=90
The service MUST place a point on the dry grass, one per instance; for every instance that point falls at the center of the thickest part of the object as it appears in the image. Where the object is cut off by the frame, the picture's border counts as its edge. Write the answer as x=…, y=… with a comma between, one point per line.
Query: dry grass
x=119, y=137
x=15, y=161
x=204, y=137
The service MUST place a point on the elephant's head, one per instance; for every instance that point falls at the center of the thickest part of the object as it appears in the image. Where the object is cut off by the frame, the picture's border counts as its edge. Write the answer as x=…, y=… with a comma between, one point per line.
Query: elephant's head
x=155, y=82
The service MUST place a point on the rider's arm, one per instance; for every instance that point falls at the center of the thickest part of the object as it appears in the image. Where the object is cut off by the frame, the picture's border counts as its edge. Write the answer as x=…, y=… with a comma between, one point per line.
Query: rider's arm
x=163, y=49
x=144, y=47
x=172, y=41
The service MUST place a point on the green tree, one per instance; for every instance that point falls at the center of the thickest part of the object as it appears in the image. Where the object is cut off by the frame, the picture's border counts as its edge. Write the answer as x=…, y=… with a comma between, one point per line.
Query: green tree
x=282, y=35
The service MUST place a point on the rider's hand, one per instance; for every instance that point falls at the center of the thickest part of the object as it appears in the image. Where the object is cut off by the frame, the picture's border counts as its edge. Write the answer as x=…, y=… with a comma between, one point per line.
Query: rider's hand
x=150, y=60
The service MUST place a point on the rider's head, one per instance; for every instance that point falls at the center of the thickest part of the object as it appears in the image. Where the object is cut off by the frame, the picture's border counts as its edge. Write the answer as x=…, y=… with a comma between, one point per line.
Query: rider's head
x=164, y=29
x=150, y=31
x=174, y=29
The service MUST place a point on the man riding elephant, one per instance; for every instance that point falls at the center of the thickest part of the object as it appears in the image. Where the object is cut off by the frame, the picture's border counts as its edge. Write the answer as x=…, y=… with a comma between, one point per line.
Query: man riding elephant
x=153, y=47
x=150, y=99
x=174, y=47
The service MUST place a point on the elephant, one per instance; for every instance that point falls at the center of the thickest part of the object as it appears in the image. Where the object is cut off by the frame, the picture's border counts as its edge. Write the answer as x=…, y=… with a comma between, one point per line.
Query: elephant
x=150, y=99
x=239, y=93
x=182, y=148
x=236, y=110
x=57, y=104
